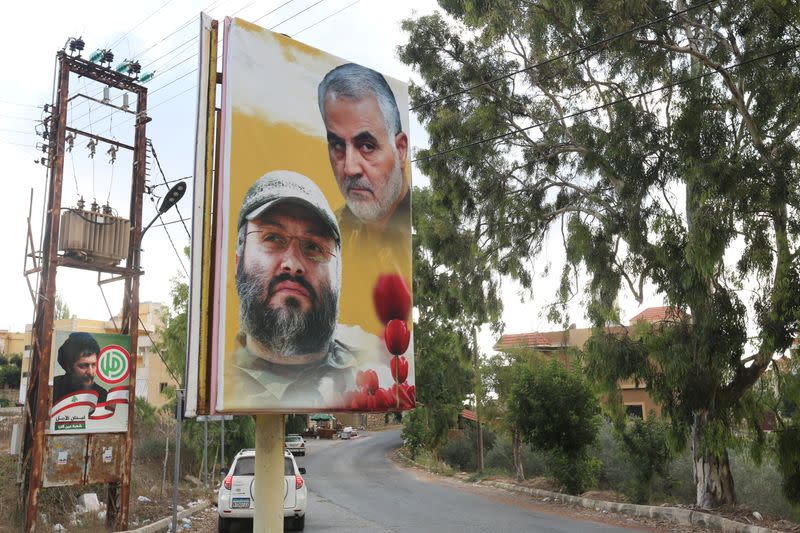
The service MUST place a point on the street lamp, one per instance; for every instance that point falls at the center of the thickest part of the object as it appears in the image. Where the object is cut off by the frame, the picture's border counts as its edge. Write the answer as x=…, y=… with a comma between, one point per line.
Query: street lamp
x=175, y=193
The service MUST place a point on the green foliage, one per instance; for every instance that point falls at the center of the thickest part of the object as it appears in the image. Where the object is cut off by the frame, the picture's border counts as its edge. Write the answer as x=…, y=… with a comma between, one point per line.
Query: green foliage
x=647, y=447
x=10, y=370
x=554, y=408
x=295, y=424
x=693, y=188
x=462, y=451
x=145, y=416
x=534, y=462
x=555, y=411
x=61, y=309
x=788, y=435
x=415, y=431
x=453, y=293
x=172, y=334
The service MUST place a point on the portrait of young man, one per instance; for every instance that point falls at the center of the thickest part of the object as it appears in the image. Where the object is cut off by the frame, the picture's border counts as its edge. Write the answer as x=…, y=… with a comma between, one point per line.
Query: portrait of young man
x=367, y=148
x=78, y=357
x=288, y=277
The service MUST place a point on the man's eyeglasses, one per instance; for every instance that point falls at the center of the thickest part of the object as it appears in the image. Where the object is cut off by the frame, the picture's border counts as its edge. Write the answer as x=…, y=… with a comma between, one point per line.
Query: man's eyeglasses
x=276, y=241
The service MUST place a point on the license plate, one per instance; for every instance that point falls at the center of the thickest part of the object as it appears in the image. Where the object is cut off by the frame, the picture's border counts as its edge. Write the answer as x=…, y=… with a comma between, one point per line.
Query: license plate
x=240, y=503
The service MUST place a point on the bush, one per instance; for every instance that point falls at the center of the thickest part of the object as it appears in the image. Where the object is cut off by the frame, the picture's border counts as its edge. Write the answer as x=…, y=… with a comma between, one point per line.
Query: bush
x=555, y=411
x=615, y=472
x=500, y=457
x=759, y=487
x=152, y=450
x=460, y=452
x=415, y=430
x=648, y=454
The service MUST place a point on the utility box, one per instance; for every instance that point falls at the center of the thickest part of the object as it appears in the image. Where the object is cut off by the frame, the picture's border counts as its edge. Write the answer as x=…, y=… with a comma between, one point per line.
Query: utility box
x=105, y=458
x=65, y=460
x=94, y=236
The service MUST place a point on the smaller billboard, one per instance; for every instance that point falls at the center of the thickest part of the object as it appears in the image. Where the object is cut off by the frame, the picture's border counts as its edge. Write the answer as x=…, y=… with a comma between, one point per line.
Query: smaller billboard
x=91, y=380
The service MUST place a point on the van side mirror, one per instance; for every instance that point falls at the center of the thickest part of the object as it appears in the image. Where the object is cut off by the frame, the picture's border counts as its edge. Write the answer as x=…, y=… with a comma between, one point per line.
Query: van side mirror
x=302, y=470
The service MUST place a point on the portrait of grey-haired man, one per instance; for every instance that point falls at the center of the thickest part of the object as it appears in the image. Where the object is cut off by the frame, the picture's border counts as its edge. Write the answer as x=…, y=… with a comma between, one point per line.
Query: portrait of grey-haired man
x=367, y=148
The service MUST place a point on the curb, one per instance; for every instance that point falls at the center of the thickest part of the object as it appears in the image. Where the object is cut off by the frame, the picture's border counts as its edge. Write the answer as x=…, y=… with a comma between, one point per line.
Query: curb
x=165, y=523
x=686, y=517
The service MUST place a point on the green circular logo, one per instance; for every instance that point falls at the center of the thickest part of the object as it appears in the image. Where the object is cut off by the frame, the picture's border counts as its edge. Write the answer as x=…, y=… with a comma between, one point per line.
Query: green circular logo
x=114, y=364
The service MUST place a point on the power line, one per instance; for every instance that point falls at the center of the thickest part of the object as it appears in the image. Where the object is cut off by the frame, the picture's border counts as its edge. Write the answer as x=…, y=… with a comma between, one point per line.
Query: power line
x=609, y=104
x=164, y=178
x=172, y=243
x=22, y=132
x=326, y=18
x=7, y=102
x=13, y=117
x=140, y=23
x=565, y=55
x=195, y=54
x=167, y=36
x=273, y=10
x=296, y=14
x=155, y=347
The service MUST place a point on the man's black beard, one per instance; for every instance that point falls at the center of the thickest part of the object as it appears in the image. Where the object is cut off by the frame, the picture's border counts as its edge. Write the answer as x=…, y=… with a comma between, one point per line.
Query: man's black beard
x=287, y=330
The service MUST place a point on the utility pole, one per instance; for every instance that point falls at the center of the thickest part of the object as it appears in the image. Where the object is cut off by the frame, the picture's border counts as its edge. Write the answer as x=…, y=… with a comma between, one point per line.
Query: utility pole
x=38, y=397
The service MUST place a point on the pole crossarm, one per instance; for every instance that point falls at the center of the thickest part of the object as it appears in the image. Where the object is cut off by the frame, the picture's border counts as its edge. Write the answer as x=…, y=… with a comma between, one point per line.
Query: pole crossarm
x=99, y=138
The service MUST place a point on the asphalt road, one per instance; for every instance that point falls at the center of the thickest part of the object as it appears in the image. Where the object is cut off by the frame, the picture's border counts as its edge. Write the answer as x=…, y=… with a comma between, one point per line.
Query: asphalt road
x=353, y=486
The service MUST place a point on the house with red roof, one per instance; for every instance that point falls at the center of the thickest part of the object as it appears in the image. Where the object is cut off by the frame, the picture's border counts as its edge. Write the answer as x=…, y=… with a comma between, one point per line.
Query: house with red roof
x=559, y=343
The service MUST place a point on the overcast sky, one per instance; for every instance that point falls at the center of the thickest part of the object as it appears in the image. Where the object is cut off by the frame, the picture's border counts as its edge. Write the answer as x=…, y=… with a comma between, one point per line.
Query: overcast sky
x=161, y=35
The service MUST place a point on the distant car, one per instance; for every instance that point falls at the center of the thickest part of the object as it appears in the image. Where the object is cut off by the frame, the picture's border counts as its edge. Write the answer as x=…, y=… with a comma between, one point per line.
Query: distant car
x=346, y=433
x=236, y=501
x=295, y=444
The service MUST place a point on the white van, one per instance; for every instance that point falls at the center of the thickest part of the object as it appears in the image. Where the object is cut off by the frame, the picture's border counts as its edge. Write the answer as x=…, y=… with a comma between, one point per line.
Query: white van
x=236, y=499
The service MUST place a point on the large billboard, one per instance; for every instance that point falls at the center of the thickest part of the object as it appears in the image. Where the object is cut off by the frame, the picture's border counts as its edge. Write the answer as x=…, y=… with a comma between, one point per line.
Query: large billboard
x=313, y=259
x=90, y=379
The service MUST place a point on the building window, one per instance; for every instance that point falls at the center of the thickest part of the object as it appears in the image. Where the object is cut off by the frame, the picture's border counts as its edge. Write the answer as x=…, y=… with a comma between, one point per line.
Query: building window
x=635, y=411
x=161, y=387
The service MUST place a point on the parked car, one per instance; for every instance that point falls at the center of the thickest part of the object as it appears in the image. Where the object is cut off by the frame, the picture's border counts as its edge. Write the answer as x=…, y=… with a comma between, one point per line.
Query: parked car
x=346, y=433
x=295, y=444
x=236, y=500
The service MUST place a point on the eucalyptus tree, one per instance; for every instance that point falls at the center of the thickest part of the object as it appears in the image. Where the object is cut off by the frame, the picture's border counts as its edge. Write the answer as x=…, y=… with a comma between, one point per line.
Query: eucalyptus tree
x=453, y=293
x=659, y=140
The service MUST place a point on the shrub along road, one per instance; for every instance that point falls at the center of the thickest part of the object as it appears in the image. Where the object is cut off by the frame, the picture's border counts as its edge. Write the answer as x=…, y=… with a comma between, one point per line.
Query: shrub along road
x=354, y=486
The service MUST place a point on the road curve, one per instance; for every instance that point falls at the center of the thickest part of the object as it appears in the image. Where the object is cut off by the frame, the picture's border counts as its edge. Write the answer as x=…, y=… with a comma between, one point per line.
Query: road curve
x=353, y=486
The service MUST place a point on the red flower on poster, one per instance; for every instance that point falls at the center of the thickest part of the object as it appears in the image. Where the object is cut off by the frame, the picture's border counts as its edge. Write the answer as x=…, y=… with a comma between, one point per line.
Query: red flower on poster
x=392, y=298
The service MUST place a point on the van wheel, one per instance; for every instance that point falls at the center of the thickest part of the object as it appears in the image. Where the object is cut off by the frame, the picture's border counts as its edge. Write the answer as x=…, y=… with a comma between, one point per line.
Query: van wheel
x=300, y=523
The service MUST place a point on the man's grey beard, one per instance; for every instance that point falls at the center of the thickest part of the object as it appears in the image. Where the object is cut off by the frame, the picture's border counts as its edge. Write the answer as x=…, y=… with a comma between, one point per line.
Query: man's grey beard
x=374, y=210
x=288, y=330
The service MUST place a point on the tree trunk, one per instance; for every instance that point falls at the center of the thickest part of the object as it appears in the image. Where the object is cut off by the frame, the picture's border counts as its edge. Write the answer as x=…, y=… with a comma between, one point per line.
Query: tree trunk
x=516, y=451
x=712, y=474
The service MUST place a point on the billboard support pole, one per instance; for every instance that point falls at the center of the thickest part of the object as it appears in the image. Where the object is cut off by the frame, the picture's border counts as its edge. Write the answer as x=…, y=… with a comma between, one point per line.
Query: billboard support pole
x=268, y=479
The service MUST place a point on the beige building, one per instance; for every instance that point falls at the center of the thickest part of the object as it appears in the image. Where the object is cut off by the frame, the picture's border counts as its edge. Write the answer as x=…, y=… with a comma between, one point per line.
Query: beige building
x=558, y=343
x=152, y=376
x=12, y=342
